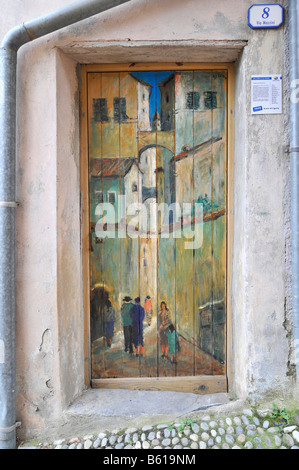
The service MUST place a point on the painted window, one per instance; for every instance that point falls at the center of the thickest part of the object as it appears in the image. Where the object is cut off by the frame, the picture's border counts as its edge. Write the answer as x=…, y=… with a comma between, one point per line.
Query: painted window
x=210, y=98
x=120, y=109
x=99, y=197
x=100, y=110
x=192, y=100
x=112, y=197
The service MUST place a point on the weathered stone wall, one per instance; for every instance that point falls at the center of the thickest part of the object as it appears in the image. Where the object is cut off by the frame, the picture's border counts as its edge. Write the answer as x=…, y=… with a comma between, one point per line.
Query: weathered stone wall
x=50, y=332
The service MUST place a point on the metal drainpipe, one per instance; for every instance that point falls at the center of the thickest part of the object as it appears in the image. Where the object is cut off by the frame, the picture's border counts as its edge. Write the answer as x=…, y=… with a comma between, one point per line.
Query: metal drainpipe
x=294, y=157
x=13, y=40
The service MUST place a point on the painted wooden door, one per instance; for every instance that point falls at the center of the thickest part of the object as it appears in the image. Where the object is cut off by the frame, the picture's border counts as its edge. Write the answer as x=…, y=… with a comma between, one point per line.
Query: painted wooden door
x=157, y=188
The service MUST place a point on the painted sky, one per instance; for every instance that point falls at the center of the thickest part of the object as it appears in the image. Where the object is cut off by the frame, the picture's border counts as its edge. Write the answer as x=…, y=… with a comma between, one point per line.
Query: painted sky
x=153, y=78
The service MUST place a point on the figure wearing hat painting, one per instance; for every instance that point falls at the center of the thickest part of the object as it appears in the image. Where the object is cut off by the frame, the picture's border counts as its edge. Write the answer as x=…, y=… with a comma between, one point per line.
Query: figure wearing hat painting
x=138, y=317
x=127, y=321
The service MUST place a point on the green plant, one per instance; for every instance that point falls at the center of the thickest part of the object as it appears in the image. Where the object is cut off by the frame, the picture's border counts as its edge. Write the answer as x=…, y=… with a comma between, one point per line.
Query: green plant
x=189, y=422
x=280, y=414
x=186, y=423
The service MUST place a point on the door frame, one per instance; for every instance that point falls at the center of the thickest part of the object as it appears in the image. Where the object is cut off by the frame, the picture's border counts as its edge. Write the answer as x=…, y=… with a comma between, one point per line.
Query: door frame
x=197, y=384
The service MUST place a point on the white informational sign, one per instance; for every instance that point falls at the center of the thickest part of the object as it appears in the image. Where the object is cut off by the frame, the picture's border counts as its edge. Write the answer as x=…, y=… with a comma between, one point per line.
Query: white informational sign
x=267, y=15
x=266, y=94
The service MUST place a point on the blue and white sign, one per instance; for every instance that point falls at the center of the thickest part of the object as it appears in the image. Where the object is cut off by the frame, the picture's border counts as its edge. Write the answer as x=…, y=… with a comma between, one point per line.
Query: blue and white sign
x=266, y=94
x=266, y=15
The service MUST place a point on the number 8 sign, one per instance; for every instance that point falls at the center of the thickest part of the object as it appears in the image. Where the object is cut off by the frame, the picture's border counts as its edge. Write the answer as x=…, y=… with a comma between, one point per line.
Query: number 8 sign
x=269, y=15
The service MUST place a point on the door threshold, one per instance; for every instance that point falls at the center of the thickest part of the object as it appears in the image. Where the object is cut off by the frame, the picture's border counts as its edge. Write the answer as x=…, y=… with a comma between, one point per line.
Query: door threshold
x=200, y=385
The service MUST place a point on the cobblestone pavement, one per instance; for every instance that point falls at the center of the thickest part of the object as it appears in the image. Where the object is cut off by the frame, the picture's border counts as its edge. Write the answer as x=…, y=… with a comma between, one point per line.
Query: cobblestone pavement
x=249, y=429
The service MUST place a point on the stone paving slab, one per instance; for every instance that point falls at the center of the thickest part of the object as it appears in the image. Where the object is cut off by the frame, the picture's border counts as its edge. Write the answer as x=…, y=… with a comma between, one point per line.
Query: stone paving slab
x=98, y=409
x=133, y=403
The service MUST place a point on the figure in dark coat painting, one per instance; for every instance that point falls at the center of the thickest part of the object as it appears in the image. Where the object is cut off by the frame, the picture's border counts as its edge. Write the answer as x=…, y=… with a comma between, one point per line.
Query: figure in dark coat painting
x=127, y=320
x=164, y=321
x=109, y=319
x=138, y=317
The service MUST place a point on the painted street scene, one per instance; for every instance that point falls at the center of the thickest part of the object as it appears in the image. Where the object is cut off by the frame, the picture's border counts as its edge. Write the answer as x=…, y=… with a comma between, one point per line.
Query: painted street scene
x=157, y=181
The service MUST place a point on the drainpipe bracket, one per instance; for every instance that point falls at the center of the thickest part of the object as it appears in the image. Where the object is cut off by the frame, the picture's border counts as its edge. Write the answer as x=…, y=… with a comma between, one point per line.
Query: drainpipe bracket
x=9, y=204
x=291, y=149
x=8, y=430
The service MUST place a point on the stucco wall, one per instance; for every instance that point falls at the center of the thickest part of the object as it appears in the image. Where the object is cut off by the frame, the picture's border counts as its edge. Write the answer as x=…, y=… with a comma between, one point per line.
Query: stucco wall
x=50, y=333
x=260, y=222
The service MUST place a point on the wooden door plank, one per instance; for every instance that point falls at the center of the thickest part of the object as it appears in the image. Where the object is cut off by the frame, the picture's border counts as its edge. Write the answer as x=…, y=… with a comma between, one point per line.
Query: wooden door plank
x=219, y=106
x=129, y=282
x=203, y=169
x=146, y=142
x=184, y=125
x=165, y=138
x=111, y=243
x=95, y=189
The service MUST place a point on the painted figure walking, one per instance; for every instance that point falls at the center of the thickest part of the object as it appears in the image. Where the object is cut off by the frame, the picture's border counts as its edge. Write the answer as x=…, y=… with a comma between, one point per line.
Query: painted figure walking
x=138, y=315
x=126, y=314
